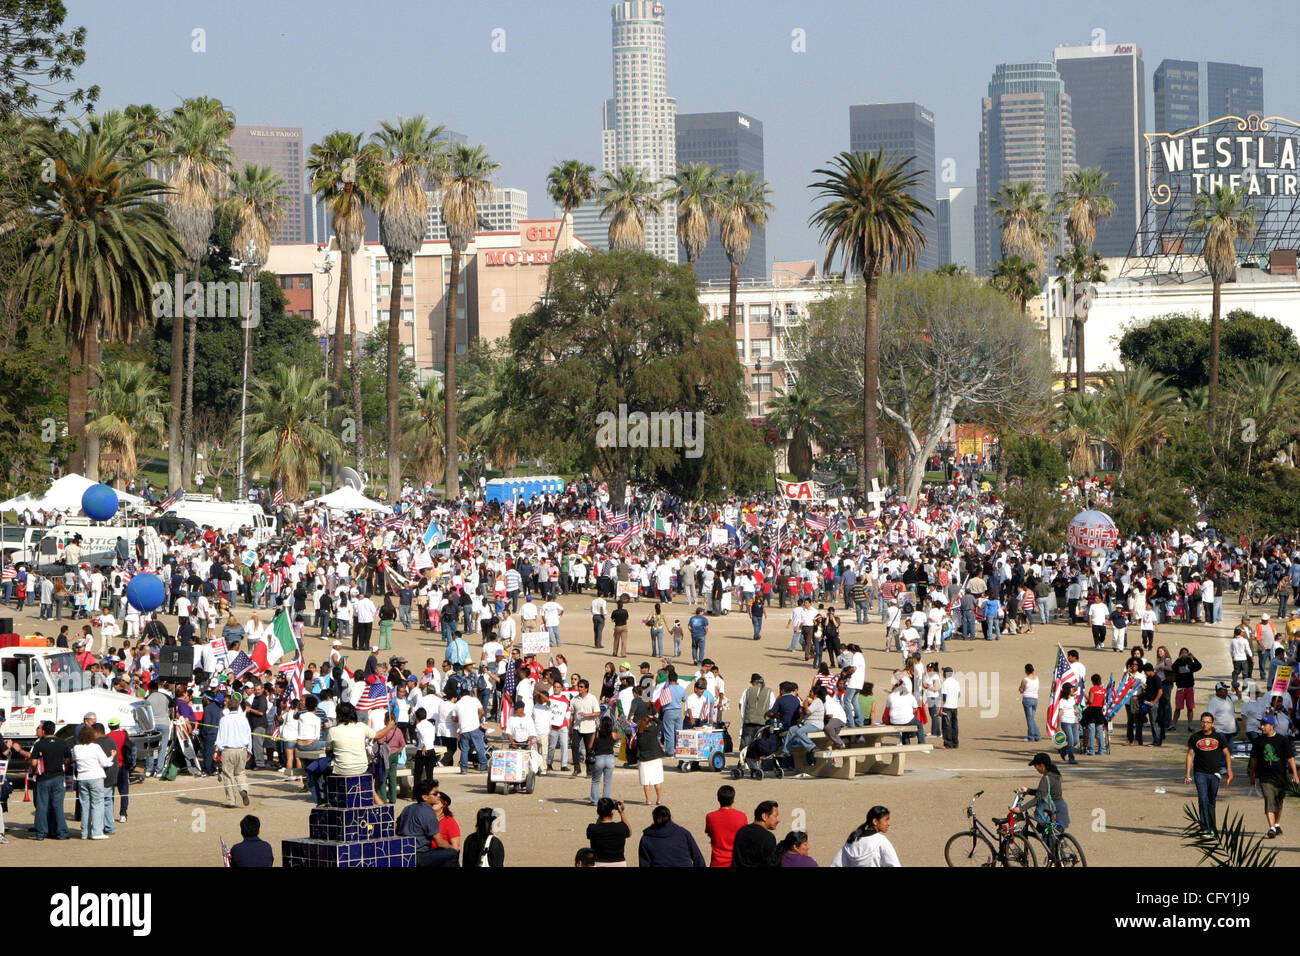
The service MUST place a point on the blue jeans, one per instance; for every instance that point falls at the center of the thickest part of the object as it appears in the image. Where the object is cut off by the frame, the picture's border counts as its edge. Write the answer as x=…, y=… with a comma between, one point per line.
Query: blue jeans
x=559, y=737
x=672, y=720
x=92, y=807
x=1207, y=792
x=794, y=641
x=656, y=642
x=995, y=629
x=107, y=823
x=50, y=820
x=906, y=735
x=1096, y=738
x=852, y=708
x=602, y=776
x=863, y=611
x=1071, y=732
x=697, y=650
x=475, y=737
x=1218, y=609
x=157, y=761
x=677, y=646
x=404, y=614
x=968, y=627
x=758, y=627
x=315, y=771
x=1031, y=708
x=798, y=736
x=554, y=632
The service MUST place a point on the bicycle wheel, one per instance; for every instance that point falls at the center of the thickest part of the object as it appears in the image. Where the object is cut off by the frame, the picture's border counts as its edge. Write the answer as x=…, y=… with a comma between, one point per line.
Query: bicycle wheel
x=968, y=849
x=1257, y=596
x=1019, y=852
x=1068, y=851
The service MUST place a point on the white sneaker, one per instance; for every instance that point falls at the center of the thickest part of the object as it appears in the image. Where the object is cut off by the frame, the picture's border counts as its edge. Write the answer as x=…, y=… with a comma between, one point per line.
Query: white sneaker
x=122, y=818
x=100, y=837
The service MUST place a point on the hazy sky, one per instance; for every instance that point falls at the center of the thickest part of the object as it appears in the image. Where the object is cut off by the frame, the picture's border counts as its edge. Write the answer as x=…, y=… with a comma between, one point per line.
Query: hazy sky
x=334, y=65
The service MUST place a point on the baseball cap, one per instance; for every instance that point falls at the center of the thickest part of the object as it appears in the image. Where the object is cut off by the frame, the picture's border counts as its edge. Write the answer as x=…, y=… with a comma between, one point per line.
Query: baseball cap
x=412, y=679
x=1221, y=685
x=1263, y=617
x=1268, y=720
x=336, y=644
x=114, y=722
x=755, y=677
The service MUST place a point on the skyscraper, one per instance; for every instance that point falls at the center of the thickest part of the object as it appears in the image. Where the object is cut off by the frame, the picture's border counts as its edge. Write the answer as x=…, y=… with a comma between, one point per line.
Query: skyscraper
x=501, y=211
x=1107, y=89
x=1188, y=93
x=1026, y=136
x=279, y=147
x=903, y=131
x=733, y=142
x=955, y=219
x=640, y=128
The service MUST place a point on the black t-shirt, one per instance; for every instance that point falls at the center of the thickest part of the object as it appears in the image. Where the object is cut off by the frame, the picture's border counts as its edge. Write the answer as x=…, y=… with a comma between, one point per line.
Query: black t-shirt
x=1185, y=669
x=603, y=745
x=1271, y=755
x=754, y=846
x=608, y=839
x=55, y=753
x=1209, y=750
x=1153, y=687
x=619, y=617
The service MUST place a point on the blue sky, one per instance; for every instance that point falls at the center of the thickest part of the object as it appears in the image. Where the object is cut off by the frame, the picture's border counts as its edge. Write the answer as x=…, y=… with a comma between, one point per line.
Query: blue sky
x=333, y=65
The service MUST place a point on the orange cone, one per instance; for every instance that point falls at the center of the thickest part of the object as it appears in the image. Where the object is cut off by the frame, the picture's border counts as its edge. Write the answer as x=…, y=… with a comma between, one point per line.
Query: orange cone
x=27, y=789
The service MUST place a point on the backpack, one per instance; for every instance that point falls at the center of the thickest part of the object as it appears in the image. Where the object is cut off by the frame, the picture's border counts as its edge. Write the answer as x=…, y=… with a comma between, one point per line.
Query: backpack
x=483, y=854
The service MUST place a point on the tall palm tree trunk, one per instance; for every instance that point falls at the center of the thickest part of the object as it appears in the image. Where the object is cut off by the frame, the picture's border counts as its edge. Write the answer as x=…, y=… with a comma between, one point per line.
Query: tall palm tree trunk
x=731, y=297
x=176, y=383
x=78, y=401
x=95, y=355
x=340, y=328
x=867, y=466
x=449, y=383
x=356, y=383
x=1214, y=350
x=1079, y=367
x=187, y=422
x=394, y=360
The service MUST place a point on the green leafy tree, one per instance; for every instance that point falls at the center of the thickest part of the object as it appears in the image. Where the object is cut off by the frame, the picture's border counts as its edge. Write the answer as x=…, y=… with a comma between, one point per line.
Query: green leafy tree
x=287, y=424
x=873, y=221
x=1137, y=408
x=1033, y=458
x=806, y=416
x=1040, y=512
x=626, y=329
x=1177, y=345
x=38, y=59
x=129, y=409
x=1149, y=499
x=1015, y=277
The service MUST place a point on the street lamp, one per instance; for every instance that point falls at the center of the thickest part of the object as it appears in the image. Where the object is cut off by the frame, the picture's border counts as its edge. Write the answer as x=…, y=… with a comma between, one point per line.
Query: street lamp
x=246, y=267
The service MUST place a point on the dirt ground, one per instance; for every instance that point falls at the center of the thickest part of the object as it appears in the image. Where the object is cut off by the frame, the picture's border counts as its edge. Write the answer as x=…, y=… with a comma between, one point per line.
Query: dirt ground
x=1118, y=816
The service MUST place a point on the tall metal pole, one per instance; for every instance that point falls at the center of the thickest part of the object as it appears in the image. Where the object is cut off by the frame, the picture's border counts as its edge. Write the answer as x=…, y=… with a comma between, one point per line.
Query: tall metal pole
x=246, y=268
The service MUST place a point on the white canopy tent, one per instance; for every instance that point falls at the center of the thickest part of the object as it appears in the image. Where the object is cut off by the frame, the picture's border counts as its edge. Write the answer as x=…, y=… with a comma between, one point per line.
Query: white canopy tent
x=64, y=495
x=347, y=499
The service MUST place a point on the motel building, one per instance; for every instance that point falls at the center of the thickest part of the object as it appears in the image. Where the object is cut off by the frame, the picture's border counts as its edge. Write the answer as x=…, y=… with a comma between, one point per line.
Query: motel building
x=503, y=274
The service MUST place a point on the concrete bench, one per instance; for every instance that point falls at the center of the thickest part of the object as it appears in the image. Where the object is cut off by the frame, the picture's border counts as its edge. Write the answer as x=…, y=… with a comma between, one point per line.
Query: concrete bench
x=889, y=759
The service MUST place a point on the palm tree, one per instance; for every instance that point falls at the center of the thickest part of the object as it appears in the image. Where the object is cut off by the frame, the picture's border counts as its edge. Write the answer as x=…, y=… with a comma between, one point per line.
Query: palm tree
x=1224, y=216
x=1268, y=394
x=348, y=176
x=1080, y=270
x=494, y=423
x=807, y=417
x=695, y=190
x=872, y=218
x=254, y=202
x=952, y=270
x=130, y=408
x=1015, y=278
x=423, y=431
x=742, y=205
x=627, y=196
x=106, y=240
x=1137, y=407
x=198, y=142
x=412, y=155
x=1077, y=421
x=569, y=184
x=465, y=180
x=1083, y=200
x=286, y=423
x=1026, y=228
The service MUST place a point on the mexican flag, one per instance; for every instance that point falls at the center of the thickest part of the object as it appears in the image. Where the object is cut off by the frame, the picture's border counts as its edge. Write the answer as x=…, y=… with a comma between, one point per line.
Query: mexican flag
x=279, y=643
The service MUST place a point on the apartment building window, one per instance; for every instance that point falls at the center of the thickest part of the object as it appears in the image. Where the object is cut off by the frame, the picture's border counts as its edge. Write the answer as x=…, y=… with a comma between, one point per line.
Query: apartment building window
x=760, y=313
x=760, y=349
x=408, y=316
x=384, y=291
x=761, y=384
x=304, y=282
x=740, y=349
x=740, y=313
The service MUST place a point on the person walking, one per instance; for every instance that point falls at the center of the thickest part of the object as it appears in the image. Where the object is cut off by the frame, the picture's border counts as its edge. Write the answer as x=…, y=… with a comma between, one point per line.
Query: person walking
x=1029, y=701
x=1272, y=760
x=235, y=741
x=619, y=618
x=950, y=696
x=1208, y=755
x=603, y=747
x=657, y=624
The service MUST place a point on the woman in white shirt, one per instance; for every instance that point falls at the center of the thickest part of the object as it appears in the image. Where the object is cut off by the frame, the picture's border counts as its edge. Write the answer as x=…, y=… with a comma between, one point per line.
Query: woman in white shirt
x=91, y=761
x=1029, y=700
x=868, y=845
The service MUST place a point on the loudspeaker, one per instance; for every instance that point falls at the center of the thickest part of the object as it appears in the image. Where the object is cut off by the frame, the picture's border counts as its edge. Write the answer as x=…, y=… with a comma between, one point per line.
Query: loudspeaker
x=6, y=625
x=175, y=663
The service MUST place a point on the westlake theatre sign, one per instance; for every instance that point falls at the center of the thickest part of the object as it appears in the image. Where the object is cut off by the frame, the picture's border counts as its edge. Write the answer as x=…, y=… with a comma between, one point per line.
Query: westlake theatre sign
x=1258, y=155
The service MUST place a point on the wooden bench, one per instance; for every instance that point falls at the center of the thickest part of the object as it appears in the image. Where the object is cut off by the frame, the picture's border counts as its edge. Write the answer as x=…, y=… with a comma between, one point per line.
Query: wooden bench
x=889, y=759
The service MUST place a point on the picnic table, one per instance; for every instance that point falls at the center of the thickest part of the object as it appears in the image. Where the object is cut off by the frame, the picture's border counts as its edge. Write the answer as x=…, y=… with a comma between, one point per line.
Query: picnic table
x=866, y=752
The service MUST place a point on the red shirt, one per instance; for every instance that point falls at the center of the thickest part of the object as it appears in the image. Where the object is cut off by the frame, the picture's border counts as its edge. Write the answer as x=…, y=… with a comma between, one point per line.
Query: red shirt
x=449, y=829
x=1096, y=697
x=119, y=741
x=721, y=826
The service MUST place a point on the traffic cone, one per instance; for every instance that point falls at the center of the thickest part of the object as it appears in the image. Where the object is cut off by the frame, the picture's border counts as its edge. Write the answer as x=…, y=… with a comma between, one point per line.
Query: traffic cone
x=27, y=789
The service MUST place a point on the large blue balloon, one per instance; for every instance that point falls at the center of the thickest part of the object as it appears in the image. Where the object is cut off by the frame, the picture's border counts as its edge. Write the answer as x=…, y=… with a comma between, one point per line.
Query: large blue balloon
x=146, y=592
x=99, y=502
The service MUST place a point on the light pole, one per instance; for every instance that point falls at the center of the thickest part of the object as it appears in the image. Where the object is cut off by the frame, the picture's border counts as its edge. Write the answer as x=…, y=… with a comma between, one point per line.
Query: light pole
x=246, y=267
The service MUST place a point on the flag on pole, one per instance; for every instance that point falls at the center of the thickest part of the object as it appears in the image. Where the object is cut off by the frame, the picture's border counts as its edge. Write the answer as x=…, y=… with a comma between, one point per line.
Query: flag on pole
x=815, y=522
x=375, y=697
x=225, y=854
x=241, y=665
x=172, y=500
x=281, y=642
x=1061, y=678
x=293, y=673
x=433, y=535
x=278, y=497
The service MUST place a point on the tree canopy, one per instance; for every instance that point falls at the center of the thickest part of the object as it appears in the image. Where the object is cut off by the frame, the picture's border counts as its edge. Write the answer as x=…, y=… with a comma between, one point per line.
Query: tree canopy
x=1177, y=345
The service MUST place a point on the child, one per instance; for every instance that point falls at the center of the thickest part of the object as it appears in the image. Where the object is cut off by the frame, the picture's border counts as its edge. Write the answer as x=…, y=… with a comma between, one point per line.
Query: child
x=867, y=703
x=677, y=638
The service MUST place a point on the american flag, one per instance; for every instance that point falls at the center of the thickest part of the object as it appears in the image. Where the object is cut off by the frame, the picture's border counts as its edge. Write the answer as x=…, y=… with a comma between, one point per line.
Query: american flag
x=534, y=520
x=225, y=853
x=375, y=698
x=293, y=673
x=10, y=572
x=860, y=524
x=620, y=541
x=278, y=497
x=815, y=522
x=241, y=665
x=615, y=522
x=1061, y=678
x=172, y=500
x=128, y=570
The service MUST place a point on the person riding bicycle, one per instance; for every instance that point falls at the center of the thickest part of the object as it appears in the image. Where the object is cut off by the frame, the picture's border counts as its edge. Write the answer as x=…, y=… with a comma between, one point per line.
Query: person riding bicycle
x=1046, y=800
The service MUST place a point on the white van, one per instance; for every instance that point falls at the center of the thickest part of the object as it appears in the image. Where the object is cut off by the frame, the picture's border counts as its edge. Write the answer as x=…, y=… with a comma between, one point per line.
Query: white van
x=98, y=542
x=226, y=516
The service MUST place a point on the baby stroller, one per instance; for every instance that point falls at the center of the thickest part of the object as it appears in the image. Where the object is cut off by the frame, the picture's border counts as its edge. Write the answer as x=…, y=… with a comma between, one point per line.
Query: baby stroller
x=762, y=756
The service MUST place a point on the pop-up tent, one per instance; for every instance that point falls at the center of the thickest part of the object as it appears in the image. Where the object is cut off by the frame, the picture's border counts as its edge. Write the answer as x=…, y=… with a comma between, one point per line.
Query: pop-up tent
x=347, y=498
x=64, y=495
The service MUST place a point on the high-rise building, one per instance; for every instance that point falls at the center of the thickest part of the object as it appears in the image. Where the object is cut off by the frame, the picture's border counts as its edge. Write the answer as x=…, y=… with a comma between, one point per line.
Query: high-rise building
x=279, y=147
x=903, y=131
x=1026, y=136
x=1188, y=93
x=1107, y=89
x=500, y=212
x=640, y=128
x=588, y=226
x=733, y=142
x=955, y=218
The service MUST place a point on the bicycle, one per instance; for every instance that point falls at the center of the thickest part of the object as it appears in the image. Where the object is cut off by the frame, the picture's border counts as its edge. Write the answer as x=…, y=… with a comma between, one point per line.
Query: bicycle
x=1259, y=591
x=1061, y=848
x=980, y=846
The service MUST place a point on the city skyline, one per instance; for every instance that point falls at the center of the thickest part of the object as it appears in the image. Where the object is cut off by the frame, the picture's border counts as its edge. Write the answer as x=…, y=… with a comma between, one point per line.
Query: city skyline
x=533, y=108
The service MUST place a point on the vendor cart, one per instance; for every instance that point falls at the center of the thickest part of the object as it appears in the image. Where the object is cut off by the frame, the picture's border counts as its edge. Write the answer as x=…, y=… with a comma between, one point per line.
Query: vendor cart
x=511, y=770
x=701, y=747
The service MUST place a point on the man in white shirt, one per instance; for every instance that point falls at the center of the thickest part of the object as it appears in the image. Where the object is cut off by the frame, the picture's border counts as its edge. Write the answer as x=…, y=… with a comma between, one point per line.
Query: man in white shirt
x=1221, y=708
x=586, y=712
x=468, y=720
x=1098, y=615
x=528, y=614
x=363, y=622
x=853, y=687
x=1242, y=663
x=507, y=630
x=551, y=612
x=599, y=610
x=950, y=695
x=893, y=624
x=426, y=746
x=560, y=711
x=234, y=740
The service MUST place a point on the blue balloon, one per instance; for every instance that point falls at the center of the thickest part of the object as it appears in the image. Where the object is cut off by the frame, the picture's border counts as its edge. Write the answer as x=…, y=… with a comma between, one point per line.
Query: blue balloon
x=99, y=502
x=146, y=592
